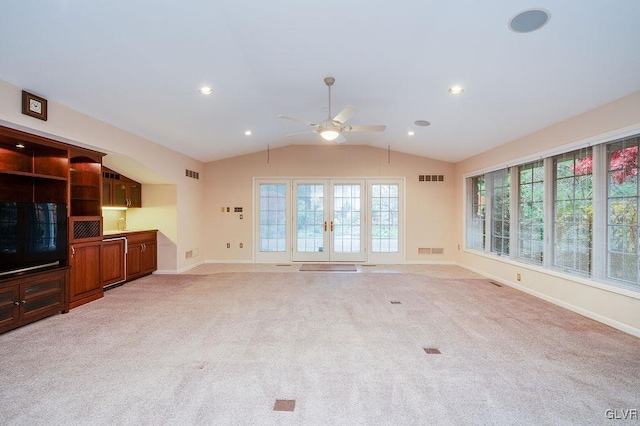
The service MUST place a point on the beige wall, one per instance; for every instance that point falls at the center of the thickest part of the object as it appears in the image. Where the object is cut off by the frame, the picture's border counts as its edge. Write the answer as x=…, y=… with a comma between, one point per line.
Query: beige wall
x=229, y=183
x=599, y=301
x=133, y=156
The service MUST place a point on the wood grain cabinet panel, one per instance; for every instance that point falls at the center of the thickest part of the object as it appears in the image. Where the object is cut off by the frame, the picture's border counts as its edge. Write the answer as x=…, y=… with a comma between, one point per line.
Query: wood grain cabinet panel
x=142, y=257
x=113, y=261
x=86, y=282
x=29, y=298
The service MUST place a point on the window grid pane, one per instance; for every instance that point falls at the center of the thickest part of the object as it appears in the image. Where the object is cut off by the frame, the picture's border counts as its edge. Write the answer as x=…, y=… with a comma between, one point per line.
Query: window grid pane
x=384, y=218
x=573, y=211
x=500, y=206
x=622, y=211
x=310, y=225
x=531, y=212
x=272, y=217
x=346, y=218
x=476, y=230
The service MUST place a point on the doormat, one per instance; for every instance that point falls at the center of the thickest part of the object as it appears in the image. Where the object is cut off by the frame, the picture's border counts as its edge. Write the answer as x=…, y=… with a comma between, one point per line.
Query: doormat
x=329, y=267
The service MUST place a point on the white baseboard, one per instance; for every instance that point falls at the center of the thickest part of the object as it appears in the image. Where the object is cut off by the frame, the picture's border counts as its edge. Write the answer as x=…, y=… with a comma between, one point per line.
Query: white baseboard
x=177, y=271
x=577, y=309
x=229, y=261
x=429, y=262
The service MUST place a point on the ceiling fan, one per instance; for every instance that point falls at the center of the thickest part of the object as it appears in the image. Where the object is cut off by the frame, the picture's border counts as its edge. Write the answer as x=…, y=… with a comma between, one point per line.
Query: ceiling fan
x=332, y=129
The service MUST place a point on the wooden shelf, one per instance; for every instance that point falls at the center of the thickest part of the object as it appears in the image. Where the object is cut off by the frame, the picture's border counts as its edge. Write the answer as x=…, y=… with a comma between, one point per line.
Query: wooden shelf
x=34, y=175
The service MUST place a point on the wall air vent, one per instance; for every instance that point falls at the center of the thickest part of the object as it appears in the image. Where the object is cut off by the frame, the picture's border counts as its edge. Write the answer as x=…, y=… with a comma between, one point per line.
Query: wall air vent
x=430, y=250
x=109, y=175
x=430, y=178
x=191, y=174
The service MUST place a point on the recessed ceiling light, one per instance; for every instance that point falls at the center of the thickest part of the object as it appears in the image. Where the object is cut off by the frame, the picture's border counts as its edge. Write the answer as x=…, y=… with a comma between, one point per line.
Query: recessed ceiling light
x=20, y=145
x=411, y=133
x=529, y=20
x=422, y=123
x=206, y=90
x=456, y=90
x=247, y=133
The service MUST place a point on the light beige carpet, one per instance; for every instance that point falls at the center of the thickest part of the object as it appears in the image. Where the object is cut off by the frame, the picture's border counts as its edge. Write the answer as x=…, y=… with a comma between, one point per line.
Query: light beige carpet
x=328, y=267
x=221, y=349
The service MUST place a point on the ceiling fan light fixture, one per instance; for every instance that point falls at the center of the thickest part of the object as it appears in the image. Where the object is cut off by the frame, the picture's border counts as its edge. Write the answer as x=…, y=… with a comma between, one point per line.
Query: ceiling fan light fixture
x=329, y=134
x=205, y=90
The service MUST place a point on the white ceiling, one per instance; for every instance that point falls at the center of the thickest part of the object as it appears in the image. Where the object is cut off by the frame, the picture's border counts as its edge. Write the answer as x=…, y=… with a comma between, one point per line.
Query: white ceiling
x=139, y=64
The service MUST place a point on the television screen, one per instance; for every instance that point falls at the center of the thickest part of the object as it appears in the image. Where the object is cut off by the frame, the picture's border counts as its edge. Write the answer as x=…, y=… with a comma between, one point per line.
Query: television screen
x=31, y=235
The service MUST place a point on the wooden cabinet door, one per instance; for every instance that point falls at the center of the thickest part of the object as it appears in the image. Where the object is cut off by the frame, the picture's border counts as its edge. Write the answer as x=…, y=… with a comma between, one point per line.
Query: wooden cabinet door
x=9, y=310
x=85, y=282
x=149, y=257
x=113, y=264
x=43, y=295
x=107, y=192
x=119, y=196
x=134, y=194
x=134, y=261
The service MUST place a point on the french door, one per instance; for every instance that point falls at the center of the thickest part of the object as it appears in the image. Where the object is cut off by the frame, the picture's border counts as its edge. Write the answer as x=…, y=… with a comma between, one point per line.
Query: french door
x=328, y=222
x=322, y=220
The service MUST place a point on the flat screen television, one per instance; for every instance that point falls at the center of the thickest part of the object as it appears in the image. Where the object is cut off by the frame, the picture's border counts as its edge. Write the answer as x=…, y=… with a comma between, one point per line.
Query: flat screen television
x=32, y=236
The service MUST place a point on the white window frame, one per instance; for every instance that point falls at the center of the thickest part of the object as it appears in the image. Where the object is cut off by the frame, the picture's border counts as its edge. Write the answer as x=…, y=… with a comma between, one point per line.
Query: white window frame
x=271, y=257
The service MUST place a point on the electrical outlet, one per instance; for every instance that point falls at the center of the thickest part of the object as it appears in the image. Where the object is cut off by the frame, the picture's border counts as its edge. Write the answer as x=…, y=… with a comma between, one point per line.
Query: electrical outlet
x=221, y=209
x=241, y=245
x=241, y=217
x=228, y=209
x=228, y=245
x=518, y=277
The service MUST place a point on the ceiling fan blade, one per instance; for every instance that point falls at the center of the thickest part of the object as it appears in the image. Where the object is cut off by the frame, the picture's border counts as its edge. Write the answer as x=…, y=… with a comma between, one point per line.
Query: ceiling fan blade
x=340, y=139
x=286, y=117
x=301, y=133
x=345, y=114
x=371, y=128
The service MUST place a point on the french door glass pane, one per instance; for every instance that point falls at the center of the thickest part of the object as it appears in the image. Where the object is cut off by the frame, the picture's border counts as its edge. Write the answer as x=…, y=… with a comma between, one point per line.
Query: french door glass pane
x=346, y=222
x=310, y=226
x=273, y=217
x=384, y=218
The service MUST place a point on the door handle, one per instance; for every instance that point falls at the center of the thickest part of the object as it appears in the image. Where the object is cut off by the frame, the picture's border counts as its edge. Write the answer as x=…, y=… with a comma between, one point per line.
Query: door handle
x=331, y=226
x=73, y=251
x=325, y=226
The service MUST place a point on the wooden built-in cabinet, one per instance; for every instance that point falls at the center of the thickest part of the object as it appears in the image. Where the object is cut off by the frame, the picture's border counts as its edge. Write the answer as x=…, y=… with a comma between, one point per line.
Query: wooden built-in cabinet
x=119, y=190
x=85, y=227
x=40, y=170
x=113, y=261
x=31, y=297
x=142, y=254
x=86, y=282
x=30, y=171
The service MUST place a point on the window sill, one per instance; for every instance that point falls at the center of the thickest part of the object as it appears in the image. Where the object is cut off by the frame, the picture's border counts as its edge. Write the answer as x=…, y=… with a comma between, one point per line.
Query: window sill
x=606, y=286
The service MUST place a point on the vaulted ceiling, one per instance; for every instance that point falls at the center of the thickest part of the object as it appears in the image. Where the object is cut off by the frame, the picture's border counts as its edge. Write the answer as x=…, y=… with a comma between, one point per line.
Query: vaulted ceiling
x=139, y=65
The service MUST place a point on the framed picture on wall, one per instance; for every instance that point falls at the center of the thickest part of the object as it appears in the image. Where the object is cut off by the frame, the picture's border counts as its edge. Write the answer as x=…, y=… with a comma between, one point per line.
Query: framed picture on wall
x=33, y=105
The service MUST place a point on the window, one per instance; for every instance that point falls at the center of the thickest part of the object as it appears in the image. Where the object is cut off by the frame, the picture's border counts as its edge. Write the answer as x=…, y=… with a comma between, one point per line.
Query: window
x=622, y=210
x=384, y=218
x=499, y=187
x=489, y=199
x=476, y=223
x=576, y=212
x=531, y=212
x=573, y=211
x=273, y=235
